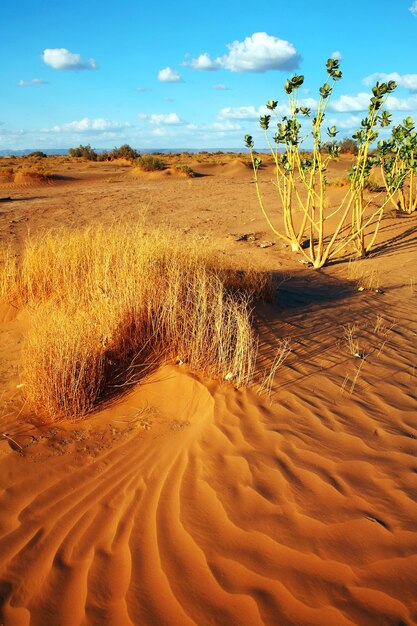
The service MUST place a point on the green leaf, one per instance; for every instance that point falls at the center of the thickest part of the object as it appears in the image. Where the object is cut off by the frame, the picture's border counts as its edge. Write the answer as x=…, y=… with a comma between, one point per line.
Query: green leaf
x=325, y=90
x=264, y=121
x=272, y=104
x=297, y=81
x=336, y=74
x=288, y=87
x=249, y=143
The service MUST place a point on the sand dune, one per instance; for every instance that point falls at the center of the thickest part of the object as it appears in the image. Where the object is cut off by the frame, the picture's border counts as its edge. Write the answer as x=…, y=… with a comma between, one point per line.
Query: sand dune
x=187, y=502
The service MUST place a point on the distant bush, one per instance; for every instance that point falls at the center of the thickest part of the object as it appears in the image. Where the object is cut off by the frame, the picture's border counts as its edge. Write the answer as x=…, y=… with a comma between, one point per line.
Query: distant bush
x=348, y=146
x=38, y=154
x=84, y=152
x=124, y=152
x=185, y=169
x=149, y=163
x=103, y=156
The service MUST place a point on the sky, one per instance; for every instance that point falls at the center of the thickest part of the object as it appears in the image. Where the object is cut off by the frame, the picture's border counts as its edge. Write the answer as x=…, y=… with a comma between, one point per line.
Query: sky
x=197, y=75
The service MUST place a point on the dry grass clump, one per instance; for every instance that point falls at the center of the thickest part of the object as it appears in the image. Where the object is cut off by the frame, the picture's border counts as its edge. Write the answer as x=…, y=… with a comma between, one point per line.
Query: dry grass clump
x=64, y=364
x=366, y=279
x=110, y=302
x=8, y=272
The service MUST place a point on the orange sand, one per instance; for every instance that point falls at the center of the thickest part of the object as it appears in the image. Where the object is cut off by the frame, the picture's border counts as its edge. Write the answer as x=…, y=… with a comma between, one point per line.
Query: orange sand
x=186, y=502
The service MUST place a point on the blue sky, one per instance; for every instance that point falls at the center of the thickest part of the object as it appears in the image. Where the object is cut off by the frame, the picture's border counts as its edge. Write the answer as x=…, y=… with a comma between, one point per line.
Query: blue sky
x=190, y=74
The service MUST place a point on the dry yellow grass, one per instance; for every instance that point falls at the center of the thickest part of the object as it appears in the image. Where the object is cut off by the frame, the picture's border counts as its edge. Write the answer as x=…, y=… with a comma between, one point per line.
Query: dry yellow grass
x=109, y=302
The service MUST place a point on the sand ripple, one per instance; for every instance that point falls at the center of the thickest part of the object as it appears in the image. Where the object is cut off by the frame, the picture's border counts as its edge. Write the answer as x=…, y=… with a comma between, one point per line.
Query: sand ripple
x=218, y=508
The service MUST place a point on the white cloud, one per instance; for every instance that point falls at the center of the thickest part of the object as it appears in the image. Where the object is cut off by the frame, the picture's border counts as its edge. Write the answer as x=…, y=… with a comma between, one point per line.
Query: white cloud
x=350, y=122
x=253, y=113
x=241, y=113
x=258, y=53
x=218, y=127
x=203, y=62
x=220, y=87
x=408, y=81
x=161, y=118
x=63, y=59
x=413, y=8
x=168, y=75
x=224, y=126
x=360, y=102
x=32, y=82
x=86, y=124
x=402, y=104
x=160, y=131
x=344, y=104
x=337, y=55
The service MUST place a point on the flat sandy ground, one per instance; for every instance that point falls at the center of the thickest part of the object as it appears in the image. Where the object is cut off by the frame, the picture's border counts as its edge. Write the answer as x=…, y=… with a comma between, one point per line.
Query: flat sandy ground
x=187, y=502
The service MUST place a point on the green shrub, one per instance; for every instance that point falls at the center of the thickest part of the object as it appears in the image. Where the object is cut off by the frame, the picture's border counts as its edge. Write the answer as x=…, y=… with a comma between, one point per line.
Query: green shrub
x=37, y=154
x=124, y=152
x=348, y=146
x=306, y=215
x=185, y=169
x=84, y=152
x=103, y=156
x=149, y=163
x=397, y=158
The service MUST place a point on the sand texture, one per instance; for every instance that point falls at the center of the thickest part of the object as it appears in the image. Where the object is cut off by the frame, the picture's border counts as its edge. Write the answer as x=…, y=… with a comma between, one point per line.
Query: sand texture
x=187, y=502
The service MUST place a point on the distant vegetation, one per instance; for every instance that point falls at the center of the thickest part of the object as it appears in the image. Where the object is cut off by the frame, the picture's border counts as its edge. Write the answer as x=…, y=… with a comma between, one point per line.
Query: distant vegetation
x=38, y=154
x=86, y=152
x=83, y=152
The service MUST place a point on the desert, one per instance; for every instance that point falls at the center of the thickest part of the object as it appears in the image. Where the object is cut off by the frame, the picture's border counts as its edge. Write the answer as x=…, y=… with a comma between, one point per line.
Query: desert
x=278, y=491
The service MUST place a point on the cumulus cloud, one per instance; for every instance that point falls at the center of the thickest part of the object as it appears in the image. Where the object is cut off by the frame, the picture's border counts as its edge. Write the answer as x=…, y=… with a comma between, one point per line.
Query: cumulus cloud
x=219, y=127
x=253, y=113
x=258, y=53
x=360, y=102
x=337, y=55
x=220, y=87
x=160, y=131
x=86, y=124
x=203, y=62
x=168, y=75
x=413, y=8
x=224, y=126
x=407, y=81
x=162, y=118
x=350, y=122
x=63, y=59
x=345, y=104
x=32, y=82
x=241, y=113
x=402, y=104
